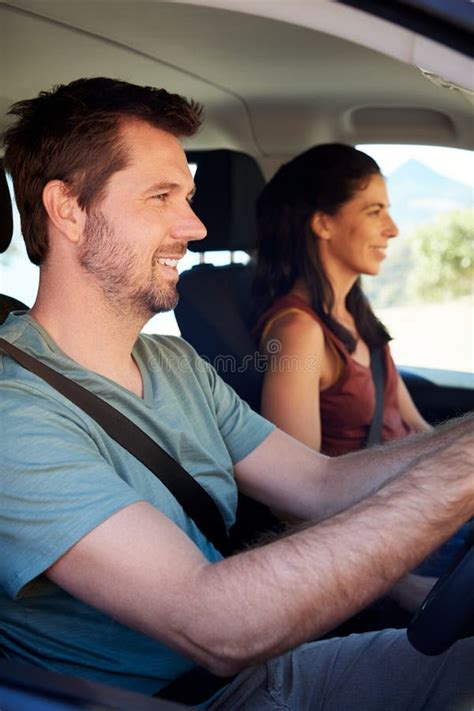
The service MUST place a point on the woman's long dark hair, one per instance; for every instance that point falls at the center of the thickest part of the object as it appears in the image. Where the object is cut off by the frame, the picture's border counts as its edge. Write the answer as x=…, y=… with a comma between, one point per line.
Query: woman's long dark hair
x=321, y=179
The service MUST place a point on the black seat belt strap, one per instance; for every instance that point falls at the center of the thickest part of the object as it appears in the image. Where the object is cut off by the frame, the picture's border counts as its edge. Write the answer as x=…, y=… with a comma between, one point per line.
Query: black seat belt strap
x=377, y=367
x=195, y=500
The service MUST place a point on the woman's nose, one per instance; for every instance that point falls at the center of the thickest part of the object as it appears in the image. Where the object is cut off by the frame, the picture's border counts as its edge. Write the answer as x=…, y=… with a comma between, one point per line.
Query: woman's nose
x=391, y=227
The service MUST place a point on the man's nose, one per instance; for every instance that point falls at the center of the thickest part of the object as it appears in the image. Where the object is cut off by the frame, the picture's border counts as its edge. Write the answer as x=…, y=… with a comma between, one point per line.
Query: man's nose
x=190, y=227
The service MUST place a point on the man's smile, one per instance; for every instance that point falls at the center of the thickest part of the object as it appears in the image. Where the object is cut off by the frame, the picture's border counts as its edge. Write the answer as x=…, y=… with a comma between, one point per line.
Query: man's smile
x=168, y=261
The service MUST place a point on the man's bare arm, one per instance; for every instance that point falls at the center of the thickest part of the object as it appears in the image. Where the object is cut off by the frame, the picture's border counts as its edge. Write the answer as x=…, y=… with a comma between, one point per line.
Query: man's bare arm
x=288, y=476
x=139, y=568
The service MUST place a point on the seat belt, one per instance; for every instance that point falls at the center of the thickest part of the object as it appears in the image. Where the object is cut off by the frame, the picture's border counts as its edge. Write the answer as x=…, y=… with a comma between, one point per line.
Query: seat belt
x=197, y=685
x=194, y=499
x=377, y=367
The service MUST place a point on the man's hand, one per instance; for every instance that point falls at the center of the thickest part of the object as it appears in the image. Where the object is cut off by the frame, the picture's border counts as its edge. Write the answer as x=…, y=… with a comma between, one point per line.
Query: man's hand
x=287, y=476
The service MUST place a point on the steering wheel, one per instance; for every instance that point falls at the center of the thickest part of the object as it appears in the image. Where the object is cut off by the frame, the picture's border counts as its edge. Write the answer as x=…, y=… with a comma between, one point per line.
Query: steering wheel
x=447, y=614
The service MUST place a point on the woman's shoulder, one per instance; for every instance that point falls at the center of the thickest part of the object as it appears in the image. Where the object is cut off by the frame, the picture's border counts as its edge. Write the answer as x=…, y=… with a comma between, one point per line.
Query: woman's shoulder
x=293, y=329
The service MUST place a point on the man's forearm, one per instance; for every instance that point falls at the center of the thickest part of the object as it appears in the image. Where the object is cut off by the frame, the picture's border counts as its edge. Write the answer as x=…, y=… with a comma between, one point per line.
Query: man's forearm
x=352, y=477
x=272, y=598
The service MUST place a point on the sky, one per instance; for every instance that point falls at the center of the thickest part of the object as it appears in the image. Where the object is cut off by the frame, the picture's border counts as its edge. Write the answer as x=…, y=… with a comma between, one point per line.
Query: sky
x=453, y=162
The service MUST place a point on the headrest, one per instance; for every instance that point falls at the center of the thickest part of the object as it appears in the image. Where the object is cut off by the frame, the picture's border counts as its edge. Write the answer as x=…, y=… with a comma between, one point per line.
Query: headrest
x=6, y=214
x=228, y=184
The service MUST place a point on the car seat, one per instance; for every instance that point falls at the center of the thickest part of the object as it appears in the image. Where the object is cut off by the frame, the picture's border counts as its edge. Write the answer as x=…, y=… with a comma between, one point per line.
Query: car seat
x=7, y=303
x=214, y=309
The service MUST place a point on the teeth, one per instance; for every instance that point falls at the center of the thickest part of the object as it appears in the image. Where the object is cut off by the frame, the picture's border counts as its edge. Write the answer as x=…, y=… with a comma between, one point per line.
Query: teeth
x=169, y=262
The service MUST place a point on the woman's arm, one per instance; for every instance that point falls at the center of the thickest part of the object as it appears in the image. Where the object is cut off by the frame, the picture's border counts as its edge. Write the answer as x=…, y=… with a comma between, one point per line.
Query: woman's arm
x=409, y=411
x=294, y=347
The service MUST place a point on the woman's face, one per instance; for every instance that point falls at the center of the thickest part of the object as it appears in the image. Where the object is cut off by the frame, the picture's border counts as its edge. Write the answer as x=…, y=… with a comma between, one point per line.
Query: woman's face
x=355, y=239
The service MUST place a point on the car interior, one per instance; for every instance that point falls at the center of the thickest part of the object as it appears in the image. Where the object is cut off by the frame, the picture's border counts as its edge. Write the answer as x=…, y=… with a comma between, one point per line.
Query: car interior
x=274, y=78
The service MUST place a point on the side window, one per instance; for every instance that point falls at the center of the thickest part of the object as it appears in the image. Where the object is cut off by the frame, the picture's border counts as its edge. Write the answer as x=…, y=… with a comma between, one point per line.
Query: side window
x=424, y=292
x=18, y=276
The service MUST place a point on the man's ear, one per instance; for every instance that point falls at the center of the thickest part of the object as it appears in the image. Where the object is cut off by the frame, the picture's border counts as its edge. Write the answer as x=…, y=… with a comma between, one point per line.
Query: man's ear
x=63, y=210
x=320, y=224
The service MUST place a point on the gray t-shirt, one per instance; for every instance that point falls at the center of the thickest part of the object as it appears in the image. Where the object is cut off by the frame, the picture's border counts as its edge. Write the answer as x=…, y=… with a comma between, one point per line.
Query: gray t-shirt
x=61, y=476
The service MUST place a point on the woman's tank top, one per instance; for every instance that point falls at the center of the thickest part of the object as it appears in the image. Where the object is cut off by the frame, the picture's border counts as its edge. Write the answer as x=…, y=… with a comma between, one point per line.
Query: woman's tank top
x=347, y=406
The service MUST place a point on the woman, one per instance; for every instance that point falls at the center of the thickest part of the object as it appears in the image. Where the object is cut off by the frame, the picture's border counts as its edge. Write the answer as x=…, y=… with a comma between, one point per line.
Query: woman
x=323, y=221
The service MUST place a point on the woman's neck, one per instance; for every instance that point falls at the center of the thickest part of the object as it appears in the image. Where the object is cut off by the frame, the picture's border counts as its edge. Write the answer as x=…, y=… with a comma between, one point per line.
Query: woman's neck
x=341, y=286
x=339, y=311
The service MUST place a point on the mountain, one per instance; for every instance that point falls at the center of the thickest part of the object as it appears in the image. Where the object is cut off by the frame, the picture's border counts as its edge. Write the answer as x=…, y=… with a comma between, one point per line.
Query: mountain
x=418, y=194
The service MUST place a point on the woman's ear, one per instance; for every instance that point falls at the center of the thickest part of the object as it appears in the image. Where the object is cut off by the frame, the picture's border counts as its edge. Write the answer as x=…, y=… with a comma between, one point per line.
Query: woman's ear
x=321, y=225
x=63, y=210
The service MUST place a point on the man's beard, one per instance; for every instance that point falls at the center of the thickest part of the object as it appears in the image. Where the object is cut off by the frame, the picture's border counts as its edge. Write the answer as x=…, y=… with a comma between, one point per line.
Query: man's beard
x=112, y=263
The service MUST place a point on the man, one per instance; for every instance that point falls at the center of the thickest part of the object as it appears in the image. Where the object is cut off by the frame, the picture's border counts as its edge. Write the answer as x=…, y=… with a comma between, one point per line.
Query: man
x=102, y=573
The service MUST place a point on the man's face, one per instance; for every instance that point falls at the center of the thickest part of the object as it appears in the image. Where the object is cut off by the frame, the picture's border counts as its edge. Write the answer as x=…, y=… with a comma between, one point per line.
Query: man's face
x=134, y=238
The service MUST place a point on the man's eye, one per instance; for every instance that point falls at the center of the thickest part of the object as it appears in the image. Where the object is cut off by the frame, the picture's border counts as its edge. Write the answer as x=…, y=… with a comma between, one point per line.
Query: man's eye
x=160, y=197
x=375, y=213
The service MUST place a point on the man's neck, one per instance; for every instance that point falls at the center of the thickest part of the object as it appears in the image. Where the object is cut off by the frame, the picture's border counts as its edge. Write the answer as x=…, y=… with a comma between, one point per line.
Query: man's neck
x=97, y=337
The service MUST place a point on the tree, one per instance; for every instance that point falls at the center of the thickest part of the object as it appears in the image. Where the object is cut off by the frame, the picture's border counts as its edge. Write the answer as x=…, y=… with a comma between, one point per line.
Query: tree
x=444, y=257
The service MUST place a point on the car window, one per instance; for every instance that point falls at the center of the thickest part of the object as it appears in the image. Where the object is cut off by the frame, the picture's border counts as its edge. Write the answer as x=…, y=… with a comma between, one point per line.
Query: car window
x=424, y=293
x=18, y=276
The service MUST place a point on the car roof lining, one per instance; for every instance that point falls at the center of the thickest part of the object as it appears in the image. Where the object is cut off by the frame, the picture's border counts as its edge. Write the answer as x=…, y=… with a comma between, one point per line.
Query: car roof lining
x=323, y=89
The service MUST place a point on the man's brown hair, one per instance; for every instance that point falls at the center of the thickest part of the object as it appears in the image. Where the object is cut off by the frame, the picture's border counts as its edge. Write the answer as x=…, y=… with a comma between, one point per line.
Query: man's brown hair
x=71, y=133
